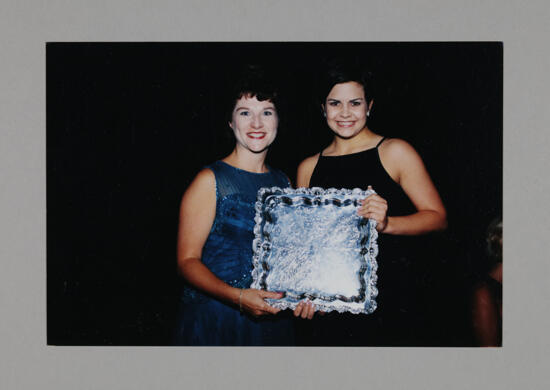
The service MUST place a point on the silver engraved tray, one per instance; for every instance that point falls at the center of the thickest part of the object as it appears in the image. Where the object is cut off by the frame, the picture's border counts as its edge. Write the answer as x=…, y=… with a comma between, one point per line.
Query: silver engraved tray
x=310, y=243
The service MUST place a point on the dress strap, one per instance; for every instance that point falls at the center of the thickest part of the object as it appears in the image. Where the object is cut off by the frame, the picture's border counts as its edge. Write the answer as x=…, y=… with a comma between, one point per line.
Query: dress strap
x=378, y=144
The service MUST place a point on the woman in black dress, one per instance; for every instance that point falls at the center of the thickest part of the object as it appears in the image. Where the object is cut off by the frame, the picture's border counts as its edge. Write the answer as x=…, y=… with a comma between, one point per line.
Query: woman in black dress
x=406, y=202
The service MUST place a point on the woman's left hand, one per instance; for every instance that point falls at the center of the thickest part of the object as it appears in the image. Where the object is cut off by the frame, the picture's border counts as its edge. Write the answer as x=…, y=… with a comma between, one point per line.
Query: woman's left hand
x=375, y=207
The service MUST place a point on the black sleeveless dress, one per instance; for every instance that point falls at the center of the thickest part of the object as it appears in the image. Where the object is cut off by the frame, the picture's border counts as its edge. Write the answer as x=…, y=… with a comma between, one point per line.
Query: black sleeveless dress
x=391, y=323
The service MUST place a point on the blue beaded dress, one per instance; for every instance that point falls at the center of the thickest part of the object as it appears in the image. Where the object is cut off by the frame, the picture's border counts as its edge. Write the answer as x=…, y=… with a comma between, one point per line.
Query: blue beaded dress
x=227, y=252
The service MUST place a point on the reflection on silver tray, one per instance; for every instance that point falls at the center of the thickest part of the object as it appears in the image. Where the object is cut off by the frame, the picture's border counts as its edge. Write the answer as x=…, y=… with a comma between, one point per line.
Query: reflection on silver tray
x=311, y=244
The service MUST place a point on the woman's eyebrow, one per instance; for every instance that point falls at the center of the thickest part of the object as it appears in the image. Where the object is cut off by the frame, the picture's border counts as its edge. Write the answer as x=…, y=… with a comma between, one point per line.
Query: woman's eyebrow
x=263, y=109
x=351, y=100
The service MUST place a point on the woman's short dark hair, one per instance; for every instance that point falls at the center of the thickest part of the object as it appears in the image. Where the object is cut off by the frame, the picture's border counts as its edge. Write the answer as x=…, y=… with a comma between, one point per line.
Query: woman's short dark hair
x=338, y=71
x=252, y=81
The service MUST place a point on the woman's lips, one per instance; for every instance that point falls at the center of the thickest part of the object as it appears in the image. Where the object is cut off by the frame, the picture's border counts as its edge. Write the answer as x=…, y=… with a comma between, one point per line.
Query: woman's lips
x=256, y=135
x=346, y=123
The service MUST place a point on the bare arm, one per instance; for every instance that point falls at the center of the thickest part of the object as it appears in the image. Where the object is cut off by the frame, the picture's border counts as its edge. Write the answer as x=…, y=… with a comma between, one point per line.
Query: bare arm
x=405, y=166
x=197, y=213
x=485, y=318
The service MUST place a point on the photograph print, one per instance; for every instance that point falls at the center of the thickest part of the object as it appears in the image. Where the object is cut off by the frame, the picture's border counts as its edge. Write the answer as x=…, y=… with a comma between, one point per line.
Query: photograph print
x=274, y=194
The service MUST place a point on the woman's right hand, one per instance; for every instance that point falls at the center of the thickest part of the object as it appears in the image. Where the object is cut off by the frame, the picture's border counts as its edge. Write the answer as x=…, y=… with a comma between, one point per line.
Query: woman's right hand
x=252, y=301
x=306, y=309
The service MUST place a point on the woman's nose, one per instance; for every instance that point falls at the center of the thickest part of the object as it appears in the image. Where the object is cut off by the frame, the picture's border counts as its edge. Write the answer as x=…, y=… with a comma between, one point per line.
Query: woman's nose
x=256, y=121
x=345, y=111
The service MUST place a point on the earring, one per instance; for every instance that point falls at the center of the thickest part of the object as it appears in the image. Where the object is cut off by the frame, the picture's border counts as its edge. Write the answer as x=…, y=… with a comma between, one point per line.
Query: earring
x=368, y=113
x=324, y=114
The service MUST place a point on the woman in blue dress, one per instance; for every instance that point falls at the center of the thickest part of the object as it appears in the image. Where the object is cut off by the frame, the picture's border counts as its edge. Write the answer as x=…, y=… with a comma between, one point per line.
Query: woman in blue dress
x=216, y=232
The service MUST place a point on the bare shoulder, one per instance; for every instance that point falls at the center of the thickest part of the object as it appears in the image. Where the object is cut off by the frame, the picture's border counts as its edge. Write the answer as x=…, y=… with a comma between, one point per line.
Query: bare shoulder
x=309, y=163
x=205, y=177
x=305, y=170
x=203, y=185
x=396, y=147
x=399, y=154
x=399, y=158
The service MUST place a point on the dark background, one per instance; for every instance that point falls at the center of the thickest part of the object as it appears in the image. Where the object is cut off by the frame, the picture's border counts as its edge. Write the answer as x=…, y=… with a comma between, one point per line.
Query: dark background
x=130, y=124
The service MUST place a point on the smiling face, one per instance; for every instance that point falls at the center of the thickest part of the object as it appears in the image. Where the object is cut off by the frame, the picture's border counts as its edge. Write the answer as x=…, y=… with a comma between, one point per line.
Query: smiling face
x=346, y=109
x=254, y=123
